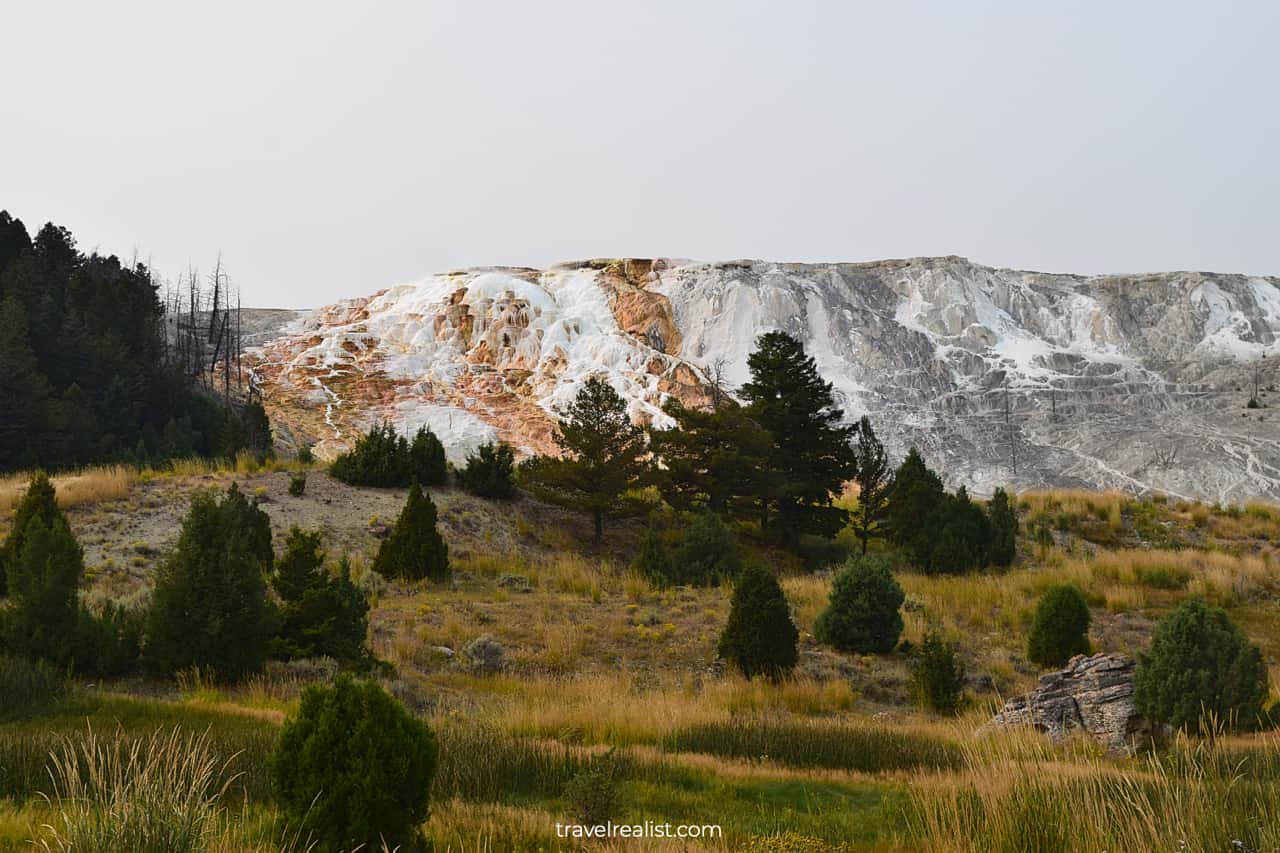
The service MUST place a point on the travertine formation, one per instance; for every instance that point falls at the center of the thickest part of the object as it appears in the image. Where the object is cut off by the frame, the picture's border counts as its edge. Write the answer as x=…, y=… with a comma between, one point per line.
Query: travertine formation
x=1093, y=695
x=1000, y=377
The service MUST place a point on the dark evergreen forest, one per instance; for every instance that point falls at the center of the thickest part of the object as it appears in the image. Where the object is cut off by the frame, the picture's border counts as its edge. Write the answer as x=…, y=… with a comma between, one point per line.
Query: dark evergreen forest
x=87, y=372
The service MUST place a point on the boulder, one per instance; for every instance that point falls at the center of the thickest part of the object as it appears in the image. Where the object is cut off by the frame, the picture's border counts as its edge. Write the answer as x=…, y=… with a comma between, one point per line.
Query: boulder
x=1093, y=695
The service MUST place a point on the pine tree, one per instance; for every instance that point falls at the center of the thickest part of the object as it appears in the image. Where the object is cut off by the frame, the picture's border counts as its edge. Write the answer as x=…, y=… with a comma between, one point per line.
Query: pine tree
x=27, y=410
x=414, y=549
x=490, y=472
x=209, y=608
x=913, y=498
x=960, y=534
x=874, y=481
x=603, y=457
x=863, y=614
x=760, y=636
x=1004, y=528
x=43, y=583
x=320, y=615
x=38, y=502
x=717, y=460
x=811, y=457
x=426, y=458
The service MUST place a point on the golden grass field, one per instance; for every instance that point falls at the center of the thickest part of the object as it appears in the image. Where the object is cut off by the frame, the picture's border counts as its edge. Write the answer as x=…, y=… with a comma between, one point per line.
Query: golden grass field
x=837, y=758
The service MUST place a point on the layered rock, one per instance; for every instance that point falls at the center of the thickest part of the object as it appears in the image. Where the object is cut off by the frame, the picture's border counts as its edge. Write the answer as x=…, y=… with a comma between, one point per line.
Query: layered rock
x=1131, y=382
x=1092, y=696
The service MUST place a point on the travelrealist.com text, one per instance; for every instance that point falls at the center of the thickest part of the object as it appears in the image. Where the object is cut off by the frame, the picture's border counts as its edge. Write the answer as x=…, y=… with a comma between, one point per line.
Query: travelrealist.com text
x=648, y=829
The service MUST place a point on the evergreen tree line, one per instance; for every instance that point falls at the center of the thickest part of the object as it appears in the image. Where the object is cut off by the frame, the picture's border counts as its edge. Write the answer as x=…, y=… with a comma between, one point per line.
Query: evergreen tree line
x=383, y=458
x=778, y=461
x=86, y=375
x=211, y=607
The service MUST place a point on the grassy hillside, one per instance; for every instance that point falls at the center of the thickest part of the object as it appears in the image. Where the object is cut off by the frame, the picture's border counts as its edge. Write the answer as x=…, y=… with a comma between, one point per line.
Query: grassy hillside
x=836, y=758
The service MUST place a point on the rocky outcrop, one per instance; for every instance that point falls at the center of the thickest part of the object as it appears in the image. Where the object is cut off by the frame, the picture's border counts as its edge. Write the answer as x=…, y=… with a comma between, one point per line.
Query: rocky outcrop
x=1131, y=382
x=1092, y=695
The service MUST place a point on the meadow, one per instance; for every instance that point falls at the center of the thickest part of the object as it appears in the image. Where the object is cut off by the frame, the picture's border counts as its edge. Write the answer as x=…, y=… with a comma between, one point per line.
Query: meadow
x=602, y=670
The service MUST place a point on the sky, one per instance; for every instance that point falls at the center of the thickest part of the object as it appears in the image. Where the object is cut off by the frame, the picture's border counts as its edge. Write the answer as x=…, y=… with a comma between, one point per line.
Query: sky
x=328, y=150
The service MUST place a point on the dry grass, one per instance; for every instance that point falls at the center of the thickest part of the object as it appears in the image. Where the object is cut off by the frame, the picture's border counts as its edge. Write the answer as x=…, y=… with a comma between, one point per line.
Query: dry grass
x=157, y=794
x=89, y=485
x=1198, y=797
x=1105, y=506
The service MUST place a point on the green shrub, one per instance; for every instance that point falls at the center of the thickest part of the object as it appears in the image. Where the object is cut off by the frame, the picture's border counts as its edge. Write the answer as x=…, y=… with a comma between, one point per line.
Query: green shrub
x=592, y=795
x=426, y=459
x=938, y=675
x=39, y=501
x=109, y=643
x=384, y=459
x=298, y=484
x=306, y=455
x=320, y=616
x=1060, y=629
x=863, y=613
x=653, y=560
x=354, y=767
x=707, y=553
x=760, y=637
x=1200, y=665
x=209, y=608
x=1004, y=528
x=414, y=549
x=30, y=687
x=703, y=556
x=490, y=472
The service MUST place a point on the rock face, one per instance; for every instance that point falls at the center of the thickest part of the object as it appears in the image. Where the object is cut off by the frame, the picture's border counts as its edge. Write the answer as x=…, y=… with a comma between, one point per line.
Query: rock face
x=1134, y=382
x=1093, y=695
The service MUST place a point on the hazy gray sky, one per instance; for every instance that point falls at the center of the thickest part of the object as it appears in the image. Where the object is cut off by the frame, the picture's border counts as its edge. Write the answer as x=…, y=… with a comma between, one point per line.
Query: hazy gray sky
x=330, y=149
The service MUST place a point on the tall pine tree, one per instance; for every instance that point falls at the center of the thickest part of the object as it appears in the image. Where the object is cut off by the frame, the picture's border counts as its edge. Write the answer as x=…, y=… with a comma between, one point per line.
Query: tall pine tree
x=811, y=457
x=1004, y=528
x=874, y=480
x=716, y=460
x=604, y=457
x=913, y=499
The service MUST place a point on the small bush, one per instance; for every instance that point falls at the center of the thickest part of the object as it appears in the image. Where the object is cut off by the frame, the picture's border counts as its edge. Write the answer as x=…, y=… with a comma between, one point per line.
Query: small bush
x=760, y=636
x=298, y=484
x=938, y=675
x=414, y=549
x=30, y=687
x=1200, y=665
x=354, y=767
x=1060, y=629
x=863, y=614
x=707, y=553
x=592, y=795
x=306, y=455
x=490, y=472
